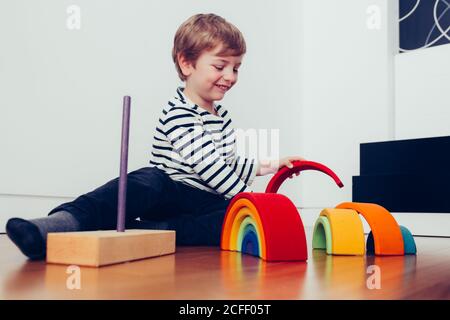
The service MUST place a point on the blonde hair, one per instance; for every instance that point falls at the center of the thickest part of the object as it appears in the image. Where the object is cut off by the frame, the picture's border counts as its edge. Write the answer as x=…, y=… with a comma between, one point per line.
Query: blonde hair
x=203, y=32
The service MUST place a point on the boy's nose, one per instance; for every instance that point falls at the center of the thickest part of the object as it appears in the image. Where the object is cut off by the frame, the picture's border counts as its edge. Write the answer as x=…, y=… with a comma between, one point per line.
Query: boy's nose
x=229, y=76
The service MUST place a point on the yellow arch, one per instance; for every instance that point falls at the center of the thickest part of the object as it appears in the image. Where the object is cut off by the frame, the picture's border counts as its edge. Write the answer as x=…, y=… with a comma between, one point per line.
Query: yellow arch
x=241, y=216
x=347, y=231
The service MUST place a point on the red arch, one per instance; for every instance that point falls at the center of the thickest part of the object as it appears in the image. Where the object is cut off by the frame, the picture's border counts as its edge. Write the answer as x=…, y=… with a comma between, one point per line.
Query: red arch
x=285, y=172
x=284, y=233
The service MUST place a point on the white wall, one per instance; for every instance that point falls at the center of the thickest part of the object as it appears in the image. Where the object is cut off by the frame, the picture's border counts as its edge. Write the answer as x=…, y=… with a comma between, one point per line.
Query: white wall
x=313, y=69
x=422, y=109
x=347, y=95
x=61, y=89
x=422, y=88
x=356, y=88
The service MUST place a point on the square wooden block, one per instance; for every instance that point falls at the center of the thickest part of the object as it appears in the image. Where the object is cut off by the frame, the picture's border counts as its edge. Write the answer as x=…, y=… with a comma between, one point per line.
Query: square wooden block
x=100, y=248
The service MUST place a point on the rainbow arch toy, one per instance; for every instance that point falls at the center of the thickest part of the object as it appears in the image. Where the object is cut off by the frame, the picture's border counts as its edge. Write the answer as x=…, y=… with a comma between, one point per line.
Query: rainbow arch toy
x=340, y=231
x=268, y=225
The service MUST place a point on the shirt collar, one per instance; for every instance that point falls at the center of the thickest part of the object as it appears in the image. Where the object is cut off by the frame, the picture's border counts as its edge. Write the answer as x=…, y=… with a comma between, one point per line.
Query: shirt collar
x=185, y=100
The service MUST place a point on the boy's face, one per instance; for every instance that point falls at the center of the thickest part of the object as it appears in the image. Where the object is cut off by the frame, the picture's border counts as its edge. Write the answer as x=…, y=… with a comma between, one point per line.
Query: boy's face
x=211, y=76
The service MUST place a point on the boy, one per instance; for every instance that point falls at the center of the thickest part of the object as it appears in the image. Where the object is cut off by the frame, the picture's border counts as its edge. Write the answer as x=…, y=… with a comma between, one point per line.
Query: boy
x=194, y=171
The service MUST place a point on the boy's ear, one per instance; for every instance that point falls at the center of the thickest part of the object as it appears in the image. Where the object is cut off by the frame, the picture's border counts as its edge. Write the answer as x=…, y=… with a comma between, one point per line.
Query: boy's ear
x=185, y=65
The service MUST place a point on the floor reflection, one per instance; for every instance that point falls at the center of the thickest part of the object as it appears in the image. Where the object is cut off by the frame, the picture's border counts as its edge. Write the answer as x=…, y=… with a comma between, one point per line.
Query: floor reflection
x=26, y=282
x=397, y=274
x=206, y=273
x=246, y=276
x=350, y=276
x=337, y=276
x=143, y=279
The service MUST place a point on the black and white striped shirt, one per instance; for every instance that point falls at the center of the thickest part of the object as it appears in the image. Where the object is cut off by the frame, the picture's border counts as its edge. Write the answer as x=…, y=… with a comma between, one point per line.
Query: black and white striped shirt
x=197, y=148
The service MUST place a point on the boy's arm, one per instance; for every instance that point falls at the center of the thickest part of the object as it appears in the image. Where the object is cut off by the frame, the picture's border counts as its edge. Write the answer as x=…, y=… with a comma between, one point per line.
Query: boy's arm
x=245, y=168
x=189, y=139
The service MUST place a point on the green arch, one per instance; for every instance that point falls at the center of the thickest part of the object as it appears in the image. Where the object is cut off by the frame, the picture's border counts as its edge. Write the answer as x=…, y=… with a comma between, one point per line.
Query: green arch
x=322, y=234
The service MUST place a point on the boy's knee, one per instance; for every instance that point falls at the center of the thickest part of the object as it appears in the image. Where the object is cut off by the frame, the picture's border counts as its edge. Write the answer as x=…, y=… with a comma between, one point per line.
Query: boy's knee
x=150, y=176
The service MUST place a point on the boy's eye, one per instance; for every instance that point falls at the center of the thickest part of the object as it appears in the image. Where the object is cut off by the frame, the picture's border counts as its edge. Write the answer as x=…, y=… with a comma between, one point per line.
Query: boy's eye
x=220, y=68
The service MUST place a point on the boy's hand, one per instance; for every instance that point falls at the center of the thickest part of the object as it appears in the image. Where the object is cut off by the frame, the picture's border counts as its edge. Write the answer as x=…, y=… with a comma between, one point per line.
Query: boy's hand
x=287, y=161
x=272, y=166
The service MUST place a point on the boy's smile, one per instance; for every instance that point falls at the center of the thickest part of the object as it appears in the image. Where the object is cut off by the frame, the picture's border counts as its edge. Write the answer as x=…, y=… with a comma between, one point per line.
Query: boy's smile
x=210, y=77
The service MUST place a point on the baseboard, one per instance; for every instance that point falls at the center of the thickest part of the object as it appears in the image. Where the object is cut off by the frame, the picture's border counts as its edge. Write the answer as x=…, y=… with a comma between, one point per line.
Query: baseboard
x=26, y=207
x=29, y=207
x=420, y=224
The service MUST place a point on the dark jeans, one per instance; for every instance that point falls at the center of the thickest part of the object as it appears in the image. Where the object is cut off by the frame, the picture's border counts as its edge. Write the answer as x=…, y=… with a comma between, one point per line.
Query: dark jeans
x=194, y=214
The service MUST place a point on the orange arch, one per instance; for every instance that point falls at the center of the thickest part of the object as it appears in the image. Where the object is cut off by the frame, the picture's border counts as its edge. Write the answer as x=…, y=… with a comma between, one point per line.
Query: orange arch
x=386, y=232
x=236, y=213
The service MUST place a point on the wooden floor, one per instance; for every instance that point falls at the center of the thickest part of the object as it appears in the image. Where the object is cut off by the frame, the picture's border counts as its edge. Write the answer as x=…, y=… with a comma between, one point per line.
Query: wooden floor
x=208, y=273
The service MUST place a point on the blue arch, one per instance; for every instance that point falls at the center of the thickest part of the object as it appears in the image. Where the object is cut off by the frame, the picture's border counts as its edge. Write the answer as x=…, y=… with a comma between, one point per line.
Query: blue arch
x=250, y=241
x=409, y=244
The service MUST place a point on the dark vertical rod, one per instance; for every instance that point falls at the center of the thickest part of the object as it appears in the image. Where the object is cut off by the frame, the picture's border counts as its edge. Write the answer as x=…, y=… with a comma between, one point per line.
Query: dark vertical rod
x=122, y=197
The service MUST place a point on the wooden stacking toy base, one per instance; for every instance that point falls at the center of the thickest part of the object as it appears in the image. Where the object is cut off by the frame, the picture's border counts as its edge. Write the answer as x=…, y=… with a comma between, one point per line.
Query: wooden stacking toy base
x=100, y=248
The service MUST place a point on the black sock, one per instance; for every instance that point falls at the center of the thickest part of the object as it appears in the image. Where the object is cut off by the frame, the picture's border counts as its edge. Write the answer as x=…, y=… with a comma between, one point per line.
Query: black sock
x=31, y=235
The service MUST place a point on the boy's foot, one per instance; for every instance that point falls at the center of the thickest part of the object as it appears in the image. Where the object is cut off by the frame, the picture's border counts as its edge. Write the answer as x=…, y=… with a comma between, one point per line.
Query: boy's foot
x=27, y=237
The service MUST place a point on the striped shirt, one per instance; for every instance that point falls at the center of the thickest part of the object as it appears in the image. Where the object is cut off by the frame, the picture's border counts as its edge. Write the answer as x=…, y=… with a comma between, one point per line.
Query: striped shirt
x=197, y=148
